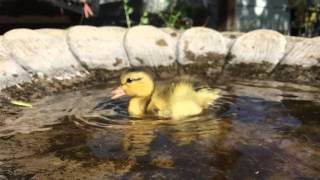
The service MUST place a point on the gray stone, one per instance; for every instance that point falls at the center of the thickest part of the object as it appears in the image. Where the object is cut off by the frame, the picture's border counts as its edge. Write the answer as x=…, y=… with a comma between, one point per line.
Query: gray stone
x=201, y=44
x=42, y=54
x=99, y=48
x=231, y=37
x=202, y=50
x=57, y=33
x=255, y=54
x=302, y=63
x=149, y=46
x=10, y=72
x=174, y=33
x=60, y=53
x=258, y=47
x=305, y=53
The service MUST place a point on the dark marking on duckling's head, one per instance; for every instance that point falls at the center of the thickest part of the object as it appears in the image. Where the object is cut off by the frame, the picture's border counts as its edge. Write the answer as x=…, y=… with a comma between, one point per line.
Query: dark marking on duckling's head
x=137, y=82
x=146, y=70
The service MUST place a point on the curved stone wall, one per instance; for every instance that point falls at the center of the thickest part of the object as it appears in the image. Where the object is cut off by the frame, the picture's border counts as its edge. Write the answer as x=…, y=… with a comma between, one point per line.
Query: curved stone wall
x=74, y=52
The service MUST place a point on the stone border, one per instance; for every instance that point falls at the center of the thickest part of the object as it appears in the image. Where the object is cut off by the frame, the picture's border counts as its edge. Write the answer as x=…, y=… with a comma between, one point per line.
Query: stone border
x=75, y=52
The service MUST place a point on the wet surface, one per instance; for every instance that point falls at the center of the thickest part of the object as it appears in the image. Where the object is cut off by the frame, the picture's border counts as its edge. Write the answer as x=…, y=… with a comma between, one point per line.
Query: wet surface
x=258, y=130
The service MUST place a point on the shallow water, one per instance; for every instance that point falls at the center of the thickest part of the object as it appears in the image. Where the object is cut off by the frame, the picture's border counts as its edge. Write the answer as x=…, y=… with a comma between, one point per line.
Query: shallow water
x=258, y=130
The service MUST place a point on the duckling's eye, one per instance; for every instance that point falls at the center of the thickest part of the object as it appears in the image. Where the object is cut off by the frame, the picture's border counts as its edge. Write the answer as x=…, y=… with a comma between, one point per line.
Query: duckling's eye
x=129, y=80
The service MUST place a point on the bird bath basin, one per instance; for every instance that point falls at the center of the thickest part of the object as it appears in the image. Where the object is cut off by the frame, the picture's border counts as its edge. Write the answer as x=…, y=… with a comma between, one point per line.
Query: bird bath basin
x=260, y=129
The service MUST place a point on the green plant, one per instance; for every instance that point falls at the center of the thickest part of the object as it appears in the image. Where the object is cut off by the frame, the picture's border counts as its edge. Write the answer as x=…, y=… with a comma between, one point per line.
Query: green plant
x=175, y=16
x=310, y=21
x=144, y=19
x=306, y=17
x=128, y=10
x=171, y=19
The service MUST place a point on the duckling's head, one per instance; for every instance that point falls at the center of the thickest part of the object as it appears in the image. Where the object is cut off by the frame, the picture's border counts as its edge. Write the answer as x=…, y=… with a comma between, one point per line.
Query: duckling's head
x=135, y=83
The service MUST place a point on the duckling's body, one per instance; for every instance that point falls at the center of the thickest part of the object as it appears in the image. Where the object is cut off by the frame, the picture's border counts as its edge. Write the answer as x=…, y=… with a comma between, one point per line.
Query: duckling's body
x=181, y=97
x=177, y=98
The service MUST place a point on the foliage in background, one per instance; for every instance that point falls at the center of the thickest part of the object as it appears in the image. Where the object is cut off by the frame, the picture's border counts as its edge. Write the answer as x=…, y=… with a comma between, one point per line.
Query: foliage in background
x=305, y=17
x=128, y=10
x=312, y=18
x=175, y=15
x=168, y=13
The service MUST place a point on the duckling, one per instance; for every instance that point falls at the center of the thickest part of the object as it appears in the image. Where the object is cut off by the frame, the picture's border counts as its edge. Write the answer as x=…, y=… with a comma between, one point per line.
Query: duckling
x=177, y=98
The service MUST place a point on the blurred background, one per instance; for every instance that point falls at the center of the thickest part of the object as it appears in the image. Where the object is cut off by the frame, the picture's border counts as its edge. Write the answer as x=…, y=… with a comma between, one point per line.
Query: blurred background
x=291, y=17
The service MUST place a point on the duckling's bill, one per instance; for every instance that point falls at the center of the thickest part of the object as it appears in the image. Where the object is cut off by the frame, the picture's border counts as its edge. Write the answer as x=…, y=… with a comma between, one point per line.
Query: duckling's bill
x=117, y=93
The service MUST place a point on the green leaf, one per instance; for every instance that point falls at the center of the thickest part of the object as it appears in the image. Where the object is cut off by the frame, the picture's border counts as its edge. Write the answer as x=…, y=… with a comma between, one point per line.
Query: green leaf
x=144, y=20
x=21, y=103
x=130, y=10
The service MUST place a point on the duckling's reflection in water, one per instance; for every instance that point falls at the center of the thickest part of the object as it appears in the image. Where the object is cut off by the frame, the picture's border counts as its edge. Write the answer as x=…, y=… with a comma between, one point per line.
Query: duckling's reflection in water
x=142, y=133
x=139, y=135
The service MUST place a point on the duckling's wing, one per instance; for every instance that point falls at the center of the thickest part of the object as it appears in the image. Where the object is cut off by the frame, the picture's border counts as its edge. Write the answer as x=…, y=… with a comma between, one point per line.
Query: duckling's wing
x=205, y=95
x=159, y=100
x=166, y=92
x=165, y=89
x=195, y=82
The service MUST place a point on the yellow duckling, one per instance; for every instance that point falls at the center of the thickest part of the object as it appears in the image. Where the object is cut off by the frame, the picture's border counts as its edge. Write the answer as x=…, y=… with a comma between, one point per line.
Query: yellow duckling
x=177, y=98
